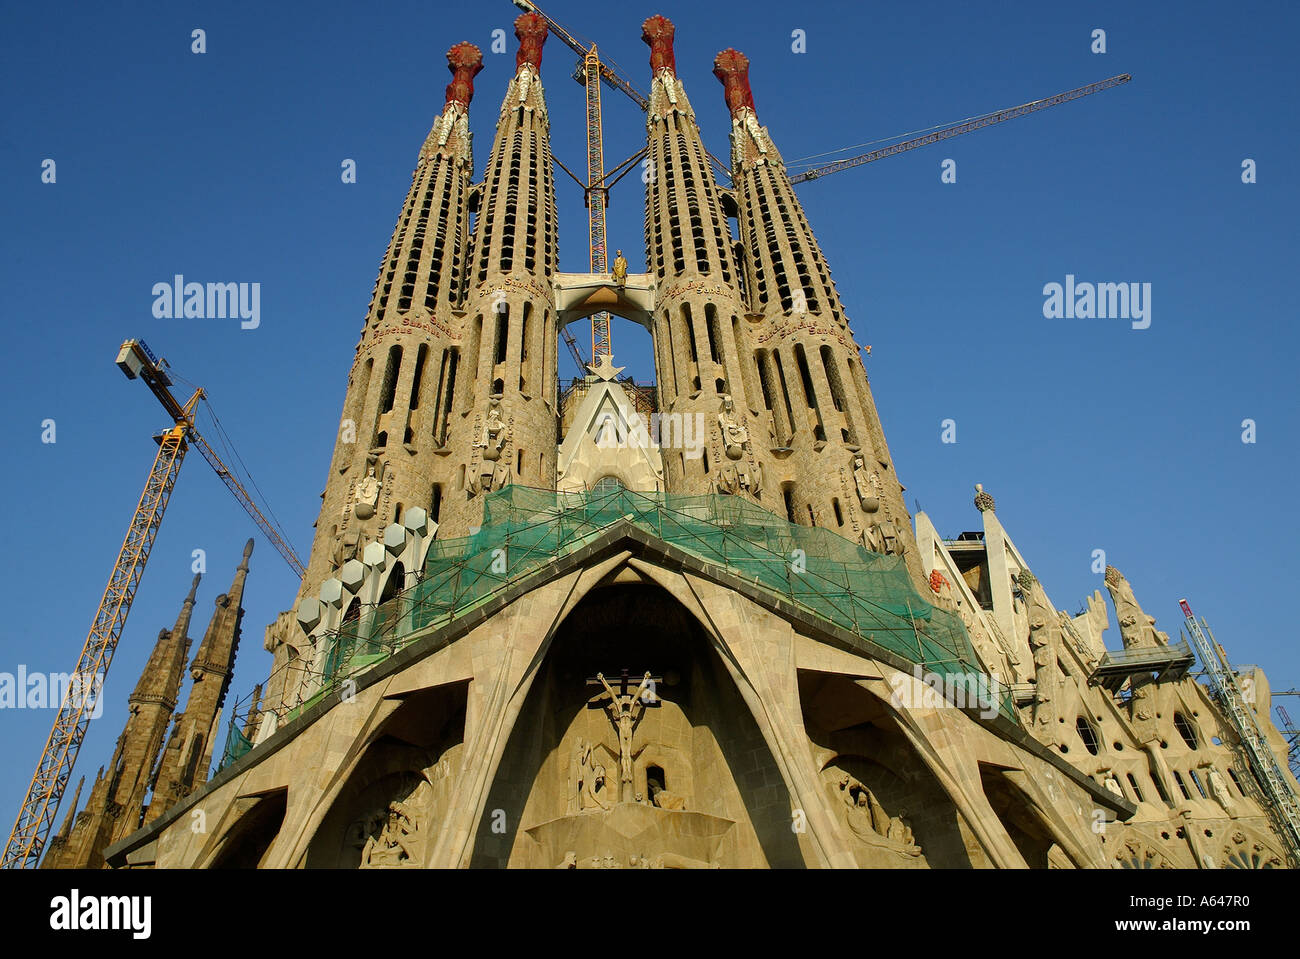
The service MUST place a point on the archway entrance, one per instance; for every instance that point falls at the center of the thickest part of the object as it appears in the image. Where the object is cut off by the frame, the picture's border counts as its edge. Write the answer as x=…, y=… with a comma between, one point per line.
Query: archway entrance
x=668, y=772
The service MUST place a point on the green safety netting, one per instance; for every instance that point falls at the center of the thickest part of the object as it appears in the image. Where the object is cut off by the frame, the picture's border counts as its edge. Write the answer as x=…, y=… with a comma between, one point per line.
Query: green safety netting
x=866, y=593
x=523, y=529
x=237, y=744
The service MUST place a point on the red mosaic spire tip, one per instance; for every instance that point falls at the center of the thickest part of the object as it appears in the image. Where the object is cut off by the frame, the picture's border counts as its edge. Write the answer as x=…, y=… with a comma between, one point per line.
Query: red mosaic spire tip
x=658, y=33
x=731, y=67
x=465, y=61
x=530, y=28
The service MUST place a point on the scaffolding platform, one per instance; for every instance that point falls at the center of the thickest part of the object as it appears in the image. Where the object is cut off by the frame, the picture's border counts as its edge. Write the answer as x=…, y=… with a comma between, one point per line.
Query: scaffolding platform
x=1118, y=666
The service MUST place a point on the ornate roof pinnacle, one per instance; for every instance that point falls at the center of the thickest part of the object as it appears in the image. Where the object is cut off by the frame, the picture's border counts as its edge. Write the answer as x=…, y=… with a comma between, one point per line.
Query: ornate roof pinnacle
x=530, y=29
x=983, y=501
x=658, y=32
x=731, y=67
x=465, y=61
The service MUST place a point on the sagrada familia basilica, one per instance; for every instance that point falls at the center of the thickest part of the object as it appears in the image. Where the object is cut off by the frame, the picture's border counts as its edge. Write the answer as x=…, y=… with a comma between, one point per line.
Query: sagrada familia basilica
x=532, y=634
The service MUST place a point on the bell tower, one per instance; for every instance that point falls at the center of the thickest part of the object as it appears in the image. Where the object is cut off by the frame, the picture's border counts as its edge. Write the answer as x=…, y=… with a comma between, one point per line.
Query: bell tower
x=702, y=362
x=505, y=411
x=834, y=469
x=391, y=451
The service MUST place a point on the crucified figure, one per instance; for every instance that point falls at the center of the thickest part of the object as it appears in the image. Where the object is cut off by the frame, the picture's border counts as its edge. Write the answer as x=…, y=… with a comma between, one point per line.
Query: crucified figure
x=625, y=709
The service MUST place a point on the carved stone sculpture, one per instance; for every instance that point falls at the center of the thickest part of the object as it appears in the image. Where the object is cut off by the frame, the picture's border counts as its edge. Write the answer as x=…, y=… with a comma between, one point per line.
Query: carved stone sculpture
x=885, y=535
x=366, y=495
x=868, y=495
x=735, y=437
x=661, y=797
x=593, y=792
x=1044, y=640
x=624, y=711
x=1137, y=629
x=493, y=438
x=868, y=820
x=726, y=479
x=1219, y=790
x=398, y=841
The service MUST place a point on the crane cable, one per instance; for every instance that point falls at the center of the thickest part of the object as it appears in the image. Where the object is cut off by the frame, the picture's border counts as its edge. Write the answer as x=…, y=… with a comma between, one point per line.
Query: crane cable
x=901, y=136
x=227, y=446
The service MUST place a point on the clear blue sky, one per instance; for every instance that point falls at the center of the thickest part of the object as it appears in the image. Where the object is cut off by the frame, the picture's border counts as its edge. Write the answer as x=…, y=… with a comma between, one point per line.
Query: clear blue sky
x=225, y=167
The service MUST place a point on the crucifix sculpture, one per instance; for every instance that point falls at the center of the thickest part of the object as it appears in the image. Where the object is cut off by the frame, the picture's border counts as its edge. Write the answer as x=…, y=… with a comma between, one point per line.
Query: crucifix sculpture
x=625, y=710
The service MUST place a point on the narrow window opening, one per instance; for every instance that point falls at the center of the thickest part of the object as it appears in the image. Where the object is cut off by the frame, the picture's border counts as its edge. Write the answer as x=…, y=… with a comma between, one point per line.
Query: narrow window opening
x=389, y=392
x=1186, y=730
x=1087, y=734
x=787, y=494
x=420, y=359
x=711, y=330
x=1134, y=784
x=1232, y=773
x=503, y=329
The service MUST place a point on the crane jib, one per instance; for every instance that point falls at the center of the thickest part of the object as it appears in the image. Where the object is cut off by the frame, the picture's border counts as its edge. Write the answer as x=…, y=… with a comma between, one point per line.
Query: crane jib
x=966, y=126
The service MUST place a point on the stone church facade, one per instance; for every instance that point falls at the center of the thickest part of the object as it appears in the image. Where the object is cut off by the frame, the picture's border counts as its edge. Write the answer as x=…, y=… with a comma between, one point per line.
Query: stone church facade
x=532, y=634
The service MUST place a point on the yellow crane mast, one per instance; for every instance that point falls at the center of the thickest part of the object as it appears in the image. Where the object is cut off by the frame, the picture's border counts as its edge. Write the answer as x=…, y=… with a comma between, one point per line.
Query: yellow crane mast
x=591, y=72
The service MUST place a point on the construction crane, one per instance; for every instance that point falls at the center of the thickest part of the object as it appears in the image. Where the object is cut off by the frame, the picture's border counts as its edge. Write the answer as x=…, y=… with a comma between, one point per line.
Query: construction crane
x=1289, y=731
x=1292, y=735
x=590, y=72
x=41, y=805
x=966, y=126
x=1280, y=801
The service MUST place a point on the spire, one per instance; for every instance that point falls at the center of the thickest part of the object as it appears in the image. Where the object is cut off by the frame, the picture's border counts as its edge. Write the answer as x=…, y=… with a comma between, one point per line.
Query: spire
x=465, y=61
x=505, y=431
x=397, y=426
x=658, y=32
x=1045, y=637
x=116, y=801
x=824, y=422
x=1136, y=628
x=703, y=368
x=185, y=760
x=160, y=681
x=731, y=67
x=72, y=811
x=253, y=720
x=216, y=655
x=530, y=28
